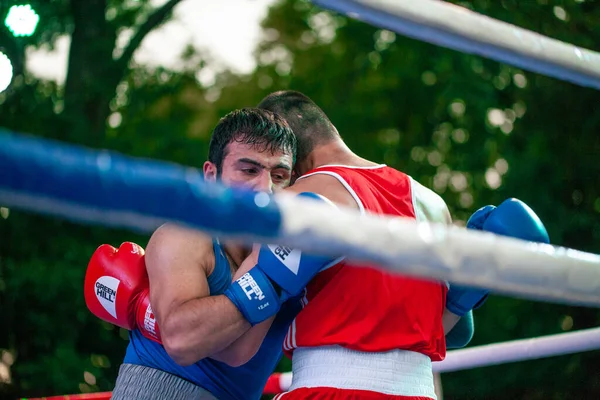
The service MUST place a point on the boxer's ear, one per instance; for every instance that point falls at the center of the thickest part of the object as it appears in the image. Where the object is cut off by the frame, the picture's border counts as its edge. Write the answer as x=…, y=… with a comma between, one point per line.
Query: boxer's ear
x=210, y=171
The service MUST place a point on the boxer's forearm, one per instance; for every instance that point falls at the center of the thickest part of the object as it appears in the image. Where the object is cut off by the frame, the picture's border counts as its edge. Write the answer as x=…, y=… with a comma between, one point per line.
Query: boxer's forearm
x=245, y=347
x=449, y=320
x=461, y=333
x=201, y=327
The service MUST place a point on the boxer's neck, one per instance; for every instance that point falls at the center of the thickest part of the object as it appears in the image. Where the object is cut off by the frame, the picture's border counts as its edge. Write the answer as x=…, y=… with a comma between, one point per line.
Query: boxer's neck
x=335, y=152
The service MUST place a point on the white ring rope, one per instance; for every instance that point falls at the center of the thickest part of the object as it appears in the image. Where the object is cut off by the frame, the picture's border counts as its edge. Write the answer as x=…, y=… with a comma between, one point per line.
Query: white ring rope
x=458, y=28
x=502, y=353
x=505, y=265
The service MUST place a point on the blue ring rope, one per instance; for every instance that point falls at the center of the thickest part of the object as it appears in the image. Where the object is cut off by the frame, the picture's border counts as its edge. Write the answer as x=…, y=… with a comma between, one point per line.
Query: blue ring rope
x=108, y=188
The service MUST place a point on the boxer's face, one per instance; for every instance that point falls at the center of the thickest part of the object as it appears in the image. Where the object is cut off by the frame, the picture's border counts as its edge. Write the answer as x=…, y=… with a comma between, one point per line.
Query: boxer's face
x=247, y=166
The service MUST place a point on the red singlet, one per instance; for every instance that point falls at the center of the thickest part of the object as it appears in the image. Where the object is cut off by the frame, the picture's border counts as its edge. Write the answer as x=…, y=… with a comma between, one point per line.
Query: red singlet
x=352, y=312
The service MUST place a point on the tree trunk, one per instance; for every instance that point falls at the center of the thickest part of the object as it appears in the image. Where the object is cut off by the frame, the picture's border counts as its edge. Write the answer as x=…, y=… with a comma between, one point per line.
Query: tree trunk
x=93, y=75
x=87, y=96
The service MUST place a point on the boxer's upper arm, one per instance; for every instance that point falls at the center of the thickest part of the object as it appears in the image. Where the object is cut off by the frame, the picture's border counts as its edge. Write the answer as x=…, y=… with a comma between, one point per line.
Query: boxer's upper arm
x=178, y=261
x=327, y=186
x=429, y=206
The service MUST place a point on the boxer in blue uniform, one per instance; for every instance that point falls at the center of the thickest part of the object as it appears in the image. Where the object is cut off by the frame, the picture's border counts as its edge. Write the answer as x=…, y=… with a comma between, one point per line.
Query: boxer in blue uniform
x=200, y=351
x=220, y=380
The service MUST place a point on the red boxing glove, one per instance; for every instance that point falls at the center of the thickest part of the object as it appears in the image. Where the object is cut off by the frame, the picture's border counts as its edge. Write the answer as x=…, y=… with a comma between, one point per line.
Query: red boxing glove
x=116, y=289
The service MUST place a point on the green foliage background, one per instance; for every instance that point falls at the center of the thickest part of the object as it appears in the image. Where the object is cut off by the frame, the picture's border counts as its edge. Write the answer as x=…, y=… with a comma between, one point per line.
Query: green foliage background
x=474, y=130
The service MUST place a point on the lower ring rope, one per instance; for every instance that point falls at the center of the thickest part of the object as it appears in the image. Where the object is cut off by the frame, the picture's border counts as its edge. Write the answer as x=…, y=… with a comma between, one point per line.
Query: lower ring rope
x=458, y=360
x=491, y=354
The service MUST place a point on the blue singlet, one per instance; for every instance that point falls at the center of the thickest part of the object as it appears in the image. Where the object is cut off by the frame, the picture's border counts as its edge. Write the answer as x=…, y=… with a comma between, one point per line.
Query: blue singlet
x=223, y=381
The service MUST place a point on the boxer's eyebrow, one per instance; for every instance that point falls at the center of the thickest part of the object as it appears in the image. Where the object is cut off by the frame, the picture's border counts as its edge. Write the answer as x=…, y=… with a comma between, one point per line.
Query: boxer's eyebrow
x=256, y=163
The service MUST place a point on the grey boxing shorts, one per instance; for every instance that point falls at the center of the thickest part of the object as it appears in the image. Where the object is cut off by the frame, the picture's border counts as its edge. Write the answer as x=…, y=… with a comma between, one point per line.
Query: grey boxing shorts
x=136, y=382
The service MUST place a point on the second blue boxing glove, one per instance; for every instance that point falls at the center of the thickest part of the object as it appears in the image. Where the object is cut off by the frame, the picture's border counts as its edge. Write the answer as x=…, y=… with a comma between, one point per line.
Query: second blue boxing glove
x=512, y=218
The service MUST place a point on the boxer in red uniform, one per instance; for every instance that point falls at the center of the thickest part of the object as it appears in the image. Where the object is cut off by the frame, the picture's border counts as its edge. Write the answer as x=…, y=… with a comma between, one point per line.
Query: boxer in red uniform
x=364, y=333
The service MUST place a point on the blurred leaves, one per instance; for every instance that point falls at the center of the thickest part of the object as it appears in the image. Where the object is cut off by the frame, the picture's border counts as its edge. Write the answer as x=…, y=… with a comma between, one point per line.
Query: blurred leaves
x=474, y=130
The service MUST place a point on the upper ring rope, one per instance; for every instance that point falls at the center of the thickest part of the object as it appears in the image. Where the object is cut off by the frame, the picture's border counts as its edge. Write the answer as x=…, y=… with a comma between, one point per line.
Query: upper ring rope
x=458, y=28
x=110, y=189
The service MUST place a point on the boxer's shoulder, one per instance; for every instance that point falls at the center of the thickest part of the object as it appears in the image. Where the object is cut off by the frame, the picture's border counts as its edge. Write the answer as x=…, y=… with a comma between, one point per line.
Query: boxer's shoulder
x=171, y=241
x=429, y=206
x=325, y=185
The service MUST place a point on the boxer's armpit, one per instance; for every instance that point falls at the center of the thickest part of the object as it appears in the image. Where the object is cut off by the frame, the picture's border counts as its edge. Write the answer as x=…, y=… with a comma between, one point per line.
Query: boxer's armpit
x=248, y=263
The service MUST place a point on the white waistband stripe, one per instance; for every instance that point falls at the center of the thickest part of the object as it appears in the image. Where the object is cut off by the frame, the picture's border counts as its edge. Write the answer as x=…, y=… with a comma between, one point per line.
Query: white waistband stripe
x=397, y=372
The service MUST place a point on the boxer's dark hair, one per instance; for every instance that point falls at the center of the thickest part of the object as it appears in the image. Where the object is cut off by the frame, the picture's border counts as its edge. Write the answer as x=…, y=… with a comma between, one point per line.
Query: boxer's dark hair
x=307, y=120
x=262, y=129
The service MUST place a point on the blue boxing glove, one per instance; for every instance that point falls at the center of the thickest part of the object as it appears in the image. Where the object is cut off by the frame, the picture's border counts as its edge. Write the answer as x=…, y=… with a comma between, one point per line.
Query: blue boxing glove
x=512, y=218
x=280, y=273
